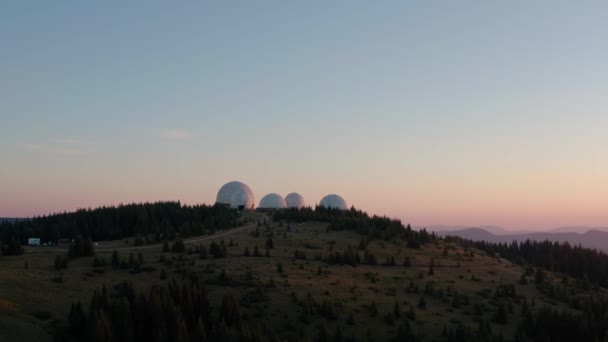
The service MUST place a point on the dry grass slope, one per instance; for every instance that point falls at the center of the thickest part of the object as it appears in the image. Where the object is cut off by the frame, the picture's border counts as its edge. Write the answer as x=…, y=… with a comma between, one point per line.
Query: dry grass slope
x=461, y=289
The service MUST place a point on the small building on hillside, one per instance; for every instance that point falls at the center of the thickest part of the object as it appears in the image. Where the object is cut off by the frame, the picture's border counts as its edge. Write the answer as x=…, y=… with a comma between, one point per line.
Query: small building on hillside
x=33, y=242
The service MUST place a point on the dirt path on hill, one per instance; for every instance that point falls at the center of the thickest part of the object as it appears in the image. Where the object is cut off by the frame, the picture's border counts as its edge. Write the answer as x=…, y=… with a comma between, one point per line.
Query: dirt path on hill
x=104, y=246
x=116, y=246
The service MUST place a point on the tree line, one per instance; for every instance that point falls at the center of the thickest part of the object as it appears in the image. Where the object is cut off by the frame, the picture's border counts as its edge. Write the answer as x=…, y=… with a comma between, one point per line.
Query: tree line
x=374, y=227
x=158, y=220
x=173, y=312
x=575, y=261
x=548, y=324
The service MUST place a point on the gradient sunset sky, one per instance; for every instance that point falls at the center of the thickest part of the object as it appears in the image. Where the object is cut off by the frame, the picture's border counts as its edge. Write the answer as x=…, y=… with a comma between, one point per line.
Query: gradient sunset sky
x=435, y=112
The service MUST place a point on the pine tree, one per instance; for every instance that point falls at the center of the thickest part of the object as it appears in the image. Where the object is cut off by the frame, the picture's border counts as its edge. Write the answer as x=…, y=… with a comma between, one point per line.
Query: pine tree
x=373, y=310
x=178, y=246
x=269, y=244
x=539, y=277
x=455, y=300
x=87, y=247
x=81, y=247
x=61, y=262
x=369, y=258
x=202, y=252
x=404, y=332
x=523, y=280
x=501, y=314
x=322, y=334
x=351, y=319
x=131, y=260
x=422, y=303
x=411, y=314
x=397, y=310
x=338, y=336
x=199, y=333
x=229, y=310
x=407, y=261
x=77, y=321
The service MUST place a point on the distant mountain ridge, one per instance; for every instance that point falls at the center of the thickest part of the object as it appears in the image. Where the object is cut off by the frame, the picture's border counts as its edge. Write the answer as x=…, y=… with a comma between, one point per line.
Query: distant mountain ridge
x=577, y=229
x=489, y=228
x=497, y=230
x=597, y=239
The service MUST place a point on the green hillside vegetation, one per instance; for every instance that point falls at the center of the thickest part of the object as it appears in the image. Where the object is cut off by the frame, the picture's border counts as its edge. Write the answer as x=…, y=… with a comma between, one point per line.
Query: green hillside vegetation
x=309, y=275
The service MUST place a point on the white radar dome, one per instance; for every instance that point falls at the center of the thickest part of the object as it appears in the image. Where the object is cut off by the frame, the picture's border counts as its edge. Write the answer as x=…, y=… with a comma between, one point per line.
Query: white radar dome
x=237, y=195
x=333, y=201
x=294, y=200
x=272, y=201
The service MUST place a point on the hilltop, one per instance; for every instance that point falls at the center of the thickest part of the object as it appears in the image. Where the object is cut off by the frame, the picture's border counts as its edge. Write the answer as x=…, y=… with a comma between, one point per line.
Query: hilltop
x=297, y=275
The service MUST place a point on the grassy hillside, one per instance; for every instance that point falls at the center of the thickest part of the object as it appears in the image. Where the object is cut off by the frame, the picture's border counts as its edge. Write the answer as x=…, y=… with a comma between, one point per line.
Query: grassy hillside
x=293, y=291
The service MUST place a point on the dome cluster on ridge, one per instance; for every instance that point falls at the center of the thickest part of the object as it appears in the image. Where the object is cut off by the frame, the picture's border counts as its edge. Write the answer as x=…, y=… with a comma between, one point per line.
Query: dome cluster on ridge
x=238, y=195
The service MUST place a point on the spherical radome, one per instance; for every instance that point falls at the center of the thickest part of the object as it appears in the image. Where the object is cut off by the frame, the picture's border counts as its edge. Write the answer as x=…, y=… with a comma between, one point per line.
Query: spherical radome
x=333, y=201
x=294, y=200
x=236, y=195
x=272, y=201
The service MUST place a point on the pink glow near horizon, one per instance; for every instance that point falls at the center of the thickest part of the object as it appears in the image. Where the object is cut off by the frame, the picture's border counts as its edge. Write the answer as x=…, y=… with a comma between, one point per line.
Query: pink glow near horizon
x=419, y=209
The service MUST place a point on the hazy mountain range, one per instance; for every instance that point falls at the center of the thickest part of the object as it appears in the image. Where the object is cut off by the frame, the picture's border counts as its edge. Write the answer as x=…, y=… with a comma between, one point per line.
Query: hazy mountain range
x=503, y=231
x=590, y=238
x=492, y=229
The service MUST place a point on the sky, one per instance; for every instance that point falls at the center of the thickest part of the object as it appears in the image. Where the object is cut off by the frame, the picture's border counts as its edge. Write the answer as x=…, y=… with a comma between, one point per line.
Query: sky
x=435, y=112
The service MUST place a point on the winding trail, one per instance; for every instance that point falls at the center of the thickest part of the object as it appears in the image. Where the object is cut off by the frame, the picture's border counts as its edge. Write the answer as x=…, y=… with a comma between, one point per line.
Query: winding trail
x=114, y=246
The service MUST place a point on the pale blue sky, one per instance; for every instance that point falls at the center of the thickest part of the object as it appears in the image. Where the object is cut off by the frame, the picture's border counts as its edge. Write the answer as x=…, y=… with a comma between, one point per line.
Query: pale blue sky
x=469, y=112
